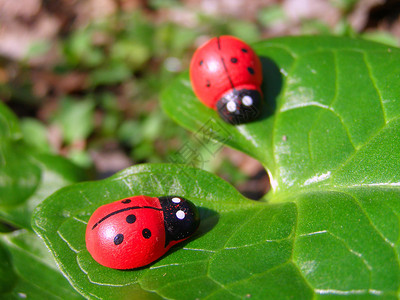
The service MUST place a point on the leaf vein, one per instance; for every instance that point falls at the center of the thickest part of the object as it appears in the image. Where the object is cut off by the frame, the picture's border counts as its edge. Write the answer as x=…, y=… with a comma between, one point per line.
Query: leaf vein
x=392, y=245
x=366, y=143
x=373, y=80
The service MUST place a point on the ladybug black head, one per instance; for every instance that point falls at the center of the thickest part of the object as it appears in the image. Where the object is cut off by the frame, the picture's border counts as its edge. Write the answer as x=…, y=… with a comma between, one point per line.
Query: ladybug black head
x=181, y=218
x=240, y=106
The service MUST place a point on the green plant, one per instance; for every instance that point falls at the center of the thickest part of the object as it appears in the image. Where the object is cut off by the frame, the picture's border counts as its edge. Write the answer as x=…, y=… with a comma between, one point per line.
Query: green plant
x=27, y=270
x=28, y=175
x=329, y=228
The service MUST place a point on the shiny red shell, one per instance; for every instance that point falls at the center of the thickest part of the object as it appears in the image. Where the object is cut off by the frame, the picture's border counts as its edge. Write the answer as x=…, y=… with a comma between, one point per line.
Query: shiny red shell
x=131, y=233
x=222, y=64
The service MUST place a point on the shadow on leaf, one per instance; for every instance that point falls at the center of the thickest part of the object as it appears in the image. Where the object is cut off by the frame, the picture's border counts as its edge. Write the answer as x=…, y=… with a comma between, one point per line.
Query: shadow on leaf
x=271, y=86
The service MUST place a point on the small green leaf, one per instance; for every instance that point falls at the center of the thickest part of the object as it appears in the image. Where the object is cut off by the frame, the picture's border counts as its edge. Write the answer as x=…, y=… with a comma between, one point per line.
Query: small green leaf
x=80, y=50
x=35, y=134
x=271, y=15
x=8, y=277
x=31, y=272
x=345, y=5
x=245, y=30
x=76, y=119
x=19, y=177
x=383, y=37
x=9, y=127
x=110, y=74
x=130, y=53
x=26, y=177
x=55, y=172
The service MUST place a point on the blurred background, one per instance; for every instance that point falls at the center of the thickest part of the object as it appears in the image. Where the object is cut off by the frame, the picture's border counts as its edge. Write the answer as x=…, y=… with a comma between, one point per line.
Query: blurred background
x=85, y=76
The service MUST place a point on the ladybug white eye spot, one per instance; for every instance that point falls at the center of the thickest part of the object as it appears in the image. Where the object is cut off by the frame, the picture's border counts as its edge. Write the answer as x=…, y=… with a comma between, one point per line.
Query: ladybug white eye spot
x=231, y=106
x=180, y=214
x=176, y=200
x=247, y=100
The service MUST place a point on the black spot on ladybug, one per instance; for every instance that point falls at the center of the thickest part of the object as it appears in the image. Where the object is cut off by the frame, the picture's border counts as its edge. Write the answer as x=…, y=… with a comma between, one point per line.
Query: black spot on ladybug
x=201, y=63
x=234, y=60
x=126, y=201
x=146, y=233
x=131, y=219
x=251, y=70
x=118, y=239
x=208, y=83
x=244, y=50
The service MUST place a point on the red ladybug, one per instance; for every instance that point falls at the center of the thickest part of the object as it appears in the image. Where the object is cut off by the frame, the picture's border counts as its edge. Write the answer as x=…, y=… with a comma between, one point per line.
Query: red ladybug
x=226, y=75
x=134, y=232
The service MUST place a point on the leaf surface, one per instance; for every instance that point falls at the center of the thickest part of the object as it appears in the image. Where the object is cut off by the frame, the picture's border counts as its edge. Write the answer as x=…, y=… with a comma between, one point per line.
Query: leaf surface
x=31, y=272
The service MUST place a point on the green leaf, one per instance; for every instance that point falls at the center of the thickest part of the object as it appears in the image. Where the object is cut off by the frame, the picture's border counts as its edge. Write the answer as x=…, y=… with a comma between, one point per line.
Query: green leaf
x=133, y=54
x=26, y=177
x=7, y=274
x=110, y=74
x=18, y=176
x=383, y=37
x=76, y=119
x=9, y=127
x=271, y=15
x=35, y=134
x=329, y=228
x=61, y=222
x=245, y=30
x=55, y=172
x=316, y=121
x=80, y=50
x=31, y=272
x=345, y=5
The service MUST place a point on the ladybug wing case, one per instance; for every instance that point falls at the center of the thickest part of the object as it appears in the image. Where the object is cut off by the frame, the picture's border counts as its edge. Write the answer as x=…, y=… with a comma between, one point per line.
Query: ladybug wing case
x=226, y=75
x=122, y=236
x=208, y=75
x=243, y=65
